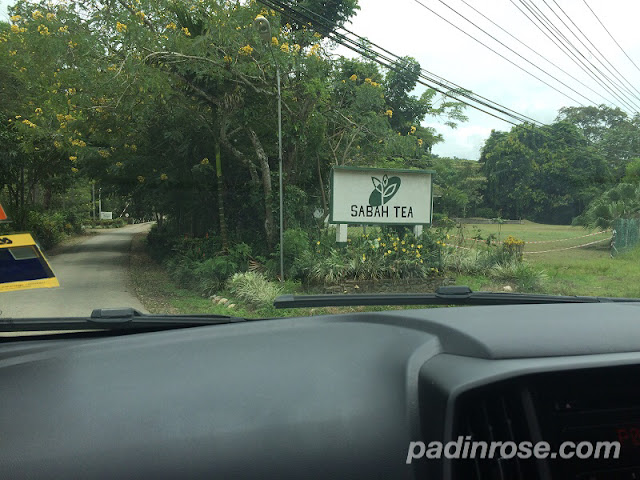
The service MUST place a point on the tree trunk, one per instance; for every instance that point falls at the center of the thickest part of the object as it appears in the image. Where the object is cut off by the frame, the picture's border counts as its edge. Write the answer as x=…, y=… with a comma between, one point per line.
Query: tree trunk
x=324, y=198
x=223, y=221
x=237, y=153
x=269, y=225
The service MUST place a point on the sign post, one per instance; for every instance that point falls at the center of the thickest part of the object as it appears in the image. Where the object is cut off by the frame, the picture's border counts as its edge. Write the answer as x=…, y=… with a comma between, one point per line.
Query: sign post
x=373, y=196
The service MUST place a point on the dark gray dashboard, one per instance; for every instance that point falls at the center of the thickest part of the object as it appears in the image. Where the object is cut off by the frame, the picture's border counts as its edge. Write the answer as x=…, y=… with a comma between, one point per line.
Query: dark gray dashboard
x=316, y=397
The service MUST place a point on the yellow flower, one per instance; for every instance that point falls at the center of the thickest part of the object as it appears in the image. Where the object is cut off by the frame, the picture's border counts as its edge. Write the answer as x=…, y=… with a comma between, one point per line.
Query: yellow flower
x=389, y=113
x=317, y=35
x=413, y=129
x=314, y=51
x=57, y=144
x=78, y=143
x=318, y=242
x=353, y=77
x=118, y=164
x=228, y=59
x=164, y=177
x=51, y=16
x=419, y=246
x=16, y=18
x=28, y=123
x=367, y=80
x=363, y=257
x=171, y=26
x=73, y=158
x=64, y=29
x=204, y=161
x=12, y=52
x=246, y=50
x=404, y=250
x=274, y=41
x=186, y=31
x=74, y=169
x=134, y=148
x=37, y=14
x=295, y=48
x=38, y=111
x=389, y=251
x=121, y=27
x=15, y=28
x=140, y=179
x=285, y=47
x=104, y=153
x=43, y=30
x=419, y=142
x=72, y=44
x=418, y=255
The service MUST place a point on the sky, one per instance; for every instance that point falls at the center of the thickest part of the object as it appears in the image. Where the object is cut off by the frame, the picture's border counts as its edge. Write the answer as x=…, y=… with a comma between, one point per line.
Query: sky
x=406, y=28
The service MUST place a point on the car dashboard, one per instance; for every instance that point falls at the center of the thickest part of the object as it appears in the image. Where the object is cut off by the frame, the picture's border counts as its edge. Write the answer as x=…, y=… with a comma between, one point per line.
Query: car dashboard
x=336, y=396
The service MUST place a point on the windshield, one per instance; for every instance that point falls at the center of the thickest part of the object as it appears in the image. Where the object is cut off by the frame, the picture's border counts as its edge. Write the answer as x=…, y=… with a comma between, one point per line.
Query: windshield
x=209, y=156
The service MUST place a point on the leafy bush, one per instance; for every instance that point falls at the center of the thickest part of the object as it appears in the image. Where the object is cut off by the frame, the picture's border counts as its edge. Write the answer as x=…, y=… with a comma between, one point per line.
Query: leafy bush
x=296, y=247
x=105, y=223
x=47, y=228
x=485, y=212
x=524, y=276
x=254, y=289
x=371, y=257
x=211, y=274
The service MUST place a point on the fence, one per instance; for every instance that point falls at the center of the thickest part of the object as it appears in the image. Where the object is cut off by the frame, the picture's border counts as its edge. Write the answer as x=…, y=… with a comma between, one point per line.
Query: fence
x=626, y=234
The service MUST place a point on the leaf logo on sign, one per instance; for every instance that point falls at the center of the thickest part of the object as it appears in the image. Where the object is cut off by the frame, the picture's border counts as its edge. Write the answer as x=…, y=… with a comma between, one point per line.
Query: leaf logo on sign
x=384, y=190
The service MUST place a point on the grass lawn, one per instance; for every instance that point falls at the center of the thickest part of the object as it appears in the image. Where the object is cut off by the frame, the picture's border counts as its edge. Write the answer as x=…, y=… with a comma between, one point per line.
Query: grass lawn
x=571, y=271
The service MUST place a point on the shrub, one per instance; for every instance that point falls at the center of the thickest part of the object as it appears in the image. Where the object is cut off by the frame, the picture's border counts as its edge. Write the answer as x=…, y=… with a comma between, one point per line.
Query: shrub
x=210, y=274
x=254, y=289
x=524, y=276
x=296, y=247
x=46, y=228
x=373, y=256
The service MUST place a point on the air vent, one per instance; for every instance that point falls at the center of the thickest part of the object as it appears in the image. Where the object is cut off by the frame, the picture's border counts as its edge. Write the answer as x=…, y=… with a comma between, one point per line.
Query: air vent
x=496, y=415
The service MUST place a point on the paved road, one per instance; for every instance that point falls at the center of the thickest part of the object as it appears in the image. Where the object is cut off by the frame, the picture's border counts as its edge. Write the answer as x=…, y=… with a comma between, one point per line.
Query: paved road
x=92, y=274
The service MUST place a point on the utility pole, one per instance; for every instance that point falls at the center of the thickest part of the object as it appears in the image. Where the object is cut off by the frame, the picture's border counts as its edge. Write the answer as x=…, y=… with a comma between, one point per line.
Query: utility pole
x=262, y=25
x=93, y=200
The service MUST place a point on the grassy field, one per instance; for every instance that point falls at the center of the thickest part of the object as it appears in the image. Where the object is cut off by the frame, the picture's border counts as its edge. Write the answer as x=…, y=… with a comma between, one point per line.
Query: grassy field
x=586, y=270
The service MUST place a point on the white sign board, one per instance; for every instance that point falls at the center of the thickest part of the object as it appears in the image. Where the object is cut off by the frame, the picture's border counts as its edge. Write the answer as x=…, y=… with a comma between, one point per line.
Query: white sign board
x=106, y=215
x=380, y=196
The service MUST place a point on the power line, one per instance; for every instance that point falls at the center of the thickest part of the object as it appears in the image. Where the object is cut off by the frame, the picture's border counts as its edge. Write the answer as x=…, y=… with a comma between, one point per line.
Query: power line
x=559, y=43
x=360, y=47
x=601, y=55
x=606, y=30
x=613, y=80
x=505, y=58
x=535, y=52
x=569, y=46
x=370, y=53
